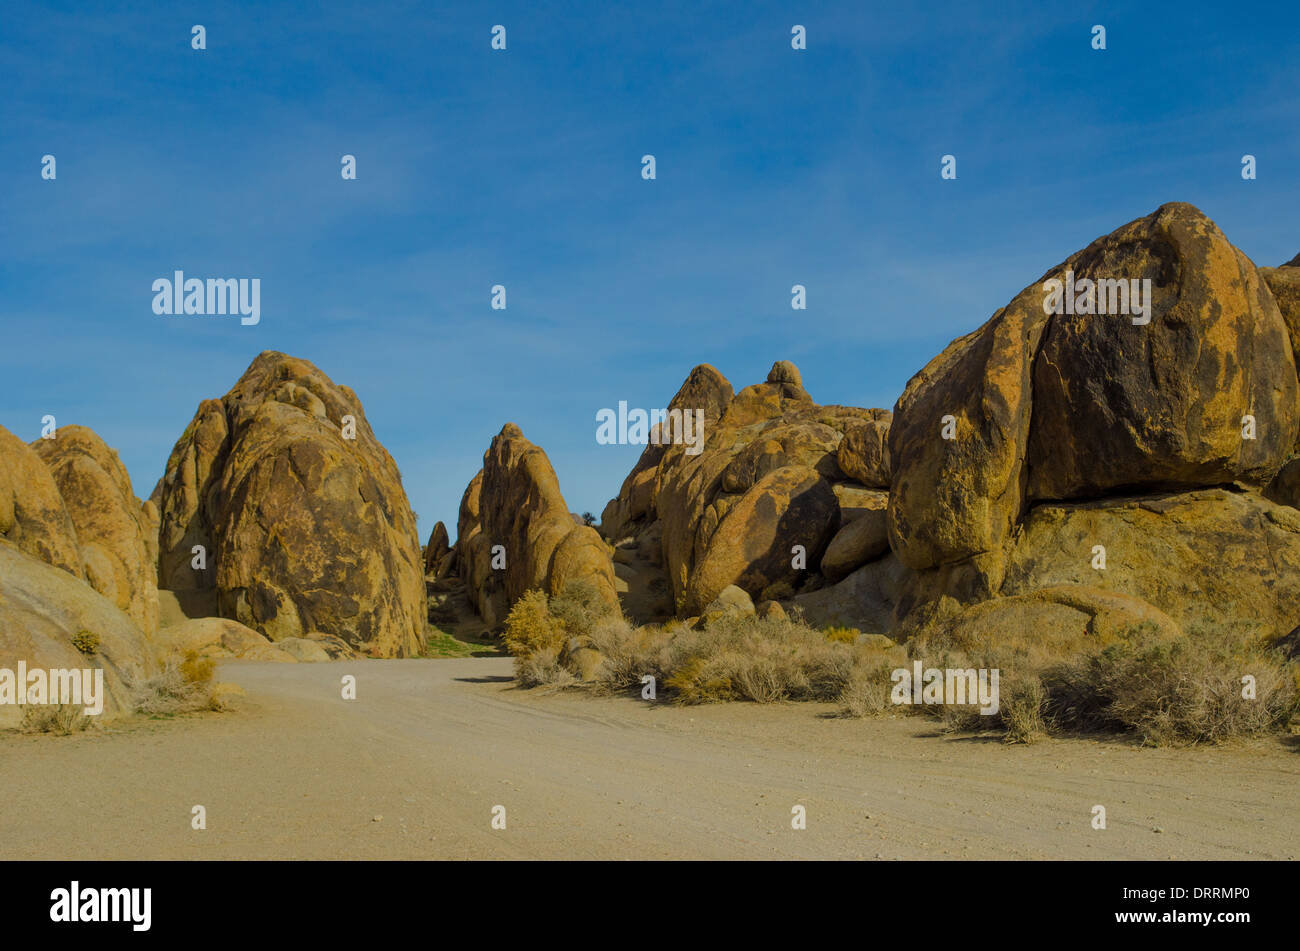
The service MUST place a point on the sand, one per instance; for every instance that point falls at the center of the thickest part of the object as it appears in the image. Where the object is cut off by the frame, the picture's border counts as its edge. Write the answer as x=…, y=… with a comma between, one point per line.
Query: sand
x=413, y=768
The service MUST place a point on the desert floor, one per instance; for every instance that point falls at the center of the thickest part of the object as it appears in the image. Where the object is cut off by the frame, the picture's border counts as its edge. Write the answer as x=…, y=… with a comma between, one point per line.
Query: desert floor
x=413, y=768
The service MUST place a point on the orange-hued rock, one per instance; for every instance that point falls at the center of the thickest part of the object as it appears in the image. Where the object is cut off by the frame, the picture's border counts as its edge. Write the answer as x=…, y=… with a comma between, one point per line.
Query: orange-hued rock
x=45, y=613
x=33, y=516
x=864, y=452
x=683, y=499
x=1074, y=406
x=436, y=548
x=516, y=533
x=754, y=543
x=300, y=510
x=114, y=531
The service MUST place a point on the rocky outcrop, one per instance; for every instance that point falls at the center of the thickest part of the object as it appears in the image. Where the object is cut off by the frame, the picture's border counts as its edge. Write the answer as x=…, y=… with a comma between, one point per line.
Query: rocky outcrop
x=220, y=639
x=1034, y=407
x=116, y=539
x=768, y=535
x=705, y=390
x=1082, y=472
x=51, y=620
x=1214, y=560
x=299, y=510
x=515, y=532
x=437, y=548
x=33, y=516
x=757, y=505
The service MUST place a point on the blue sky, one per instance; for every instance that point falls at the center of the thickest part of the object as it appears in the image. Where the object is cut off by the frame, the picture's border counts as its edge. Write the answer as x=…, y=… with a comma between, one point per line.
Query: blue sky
x=522, y=168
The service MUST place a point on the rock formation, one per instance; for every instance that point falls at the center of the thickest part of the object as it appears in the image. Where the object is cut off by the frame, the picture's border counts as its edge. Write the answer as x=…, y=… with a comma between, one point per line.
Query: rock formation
x=300, y=513
x=44, y=614
x=515, y=532
x=437, y=549
x=1093, y=451
x=778, y=480
x=1057, y=467
x=33, y=516
x=116, y=538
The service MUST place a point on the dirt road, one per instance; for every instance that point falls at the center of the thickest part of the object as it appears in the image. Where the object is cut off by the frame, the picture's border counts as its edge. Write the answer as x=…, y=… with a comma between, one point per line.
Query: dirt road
x=414, y=766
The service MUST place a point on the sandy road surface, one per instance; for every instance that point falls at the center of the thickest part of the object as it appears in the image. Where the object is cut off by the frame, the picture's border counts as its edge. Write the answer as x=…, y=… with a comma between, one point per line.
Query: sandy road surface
x=432, y=745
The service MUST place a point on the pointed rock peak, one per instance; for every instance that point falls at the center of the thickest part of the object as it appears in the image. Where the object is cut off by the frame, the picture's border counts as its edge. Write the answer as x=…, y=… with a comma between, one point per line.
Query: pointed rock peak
x=1294, y=262
x=783, y=371
x=704, y=388
x=511, y=431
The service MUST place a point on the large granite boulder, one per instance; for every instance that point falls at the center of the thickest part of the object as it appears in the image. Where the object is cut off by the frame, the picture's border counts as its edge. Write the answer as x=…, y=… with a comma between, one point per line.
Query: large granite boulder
x=516, y=533
x=1214, y=560
x=754, y=544
x=719, y=515
x=114, y=533
x=300, y=510
x=45, y=613
x=1040, y=406
x=33, y=515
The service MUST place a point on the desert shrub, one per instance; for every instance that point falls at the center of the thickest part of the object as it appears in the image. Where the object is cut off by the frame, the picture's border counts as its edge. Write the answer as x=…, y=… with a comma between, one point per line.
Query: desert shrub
x=540, y=631
x=1023, y=699
x=182, y=685
x=628, y=653
x=61, y=719
x=741, y=657
x=1165, y=689
x=579, y=607
x=542, y=667
x=197, y=670
x=1186, y=690
x=777, y=591
x=845, y=635
x=867, y=692
x=531, y=628
x=87, y=642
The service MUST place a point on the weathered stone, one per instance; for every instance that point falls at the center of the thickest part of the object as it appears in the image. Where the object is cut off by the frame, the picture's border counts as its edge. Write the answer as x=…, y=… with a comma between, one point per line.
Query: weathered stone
x=303, y=650
x=864, y=452
x=213, y=637
x=856, y=543
x=1113, y=405
x=437, y=548
x=1213, y=560
x=113, y=530
x=1118, y=405
x=1057, y=621
x=43, y=609
x=300, y=510
x=752, y=547
x=731, y=599
x=33, y=515
x=518, y=506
